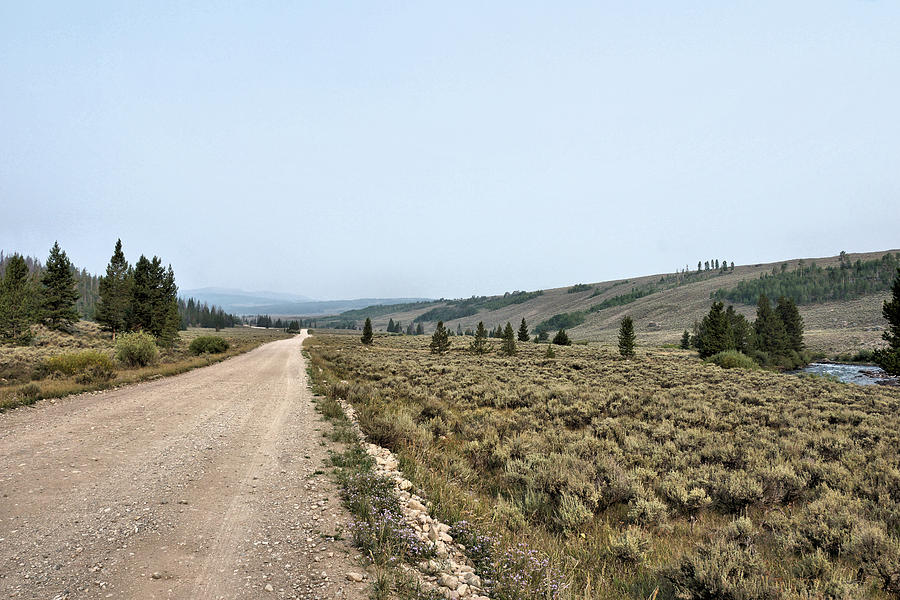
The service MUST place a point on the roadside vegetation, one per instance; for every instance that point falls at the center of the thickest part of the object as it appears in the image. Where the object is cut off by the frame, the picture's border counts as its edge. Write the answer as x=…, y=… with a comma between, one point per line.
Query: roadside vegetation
x=85, y=359
x=56, y=295
x=655, y=474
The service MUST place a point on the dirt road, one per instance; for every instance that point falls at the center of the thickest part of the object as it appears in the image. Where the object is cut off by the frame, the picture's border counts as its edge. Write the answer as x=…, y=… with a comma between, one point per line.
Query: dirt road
x=204, y=485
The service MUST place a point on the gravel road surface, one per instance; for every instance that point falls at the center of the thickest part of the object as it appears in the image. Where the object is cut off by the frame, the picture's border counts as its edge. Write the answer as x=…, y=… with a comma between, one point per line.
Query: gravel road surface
x=204, y=485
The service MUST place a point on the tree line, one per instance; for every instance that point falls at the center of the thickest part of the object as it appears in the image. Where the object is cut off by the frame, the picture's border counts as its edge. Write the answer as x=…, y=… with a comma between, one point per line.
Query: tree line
x=808, y=284
x=139, y=297
x=440, y=339
x=194, y=313
x=29, y=296
x=289, y=325
x=87, y=284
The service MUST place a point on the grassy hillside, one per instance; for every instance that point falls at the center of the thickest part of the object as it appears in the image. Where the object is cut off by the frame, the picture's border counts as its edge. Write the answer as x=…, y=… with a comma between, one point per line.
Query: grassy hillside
x=599, y=477
x=664, y=309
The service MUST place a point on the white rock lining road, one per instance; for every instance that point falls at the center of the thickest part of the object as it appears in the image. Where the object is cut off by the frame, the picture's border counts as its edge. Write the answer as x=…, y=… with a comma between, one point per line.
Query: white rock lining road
x=204, y=485
x=449, y=575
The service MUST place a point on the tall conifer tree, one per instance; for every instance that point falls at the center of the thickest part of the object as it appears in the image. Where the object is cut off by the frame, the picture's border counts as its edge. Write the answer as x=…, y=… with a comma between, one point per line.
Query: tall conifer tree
x=770, y=333
x=440, y=339
x=367, y=332
x=626, y=337
x=889, y=358
x=509, y=341
x=479, y=344
x=523, y=332
x=19, y=301
x=787, y=311
x=115, y=293
x=59, y=291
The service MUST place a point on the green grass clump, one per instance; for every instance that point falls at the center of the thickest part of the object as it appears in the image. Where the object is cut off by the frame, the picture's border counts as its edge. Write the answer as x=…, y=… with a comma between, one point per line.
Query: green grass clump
x=208, y=344
x=77, y=363
x=136, y=349
x=732, y=359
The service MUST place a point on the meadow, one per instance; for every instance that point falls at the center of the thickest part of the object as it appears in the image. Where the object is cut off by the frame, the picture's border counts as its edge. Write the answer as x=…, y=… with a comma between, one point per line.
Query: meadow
x=31, y=373
x=657, y=476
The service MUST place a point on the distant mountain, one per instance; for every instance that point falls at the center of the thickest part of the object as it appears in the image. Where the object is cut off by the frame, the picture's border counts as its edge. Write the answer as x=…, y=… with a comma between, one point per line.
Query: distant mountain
x=274, y=303
x=229, y=298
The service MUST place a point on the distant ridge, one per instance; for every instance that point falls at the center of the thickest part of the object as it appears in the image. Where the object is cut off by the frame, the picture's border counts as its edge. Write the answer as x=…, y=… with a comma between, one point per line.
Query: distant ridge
x=662, y=306
x=279, y=304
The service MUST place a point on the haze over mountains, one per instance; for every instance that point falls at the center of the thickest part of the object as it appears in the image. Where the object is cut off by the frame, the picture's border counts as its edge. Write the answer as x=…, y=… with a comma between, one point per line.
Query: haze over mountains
x=243, y=302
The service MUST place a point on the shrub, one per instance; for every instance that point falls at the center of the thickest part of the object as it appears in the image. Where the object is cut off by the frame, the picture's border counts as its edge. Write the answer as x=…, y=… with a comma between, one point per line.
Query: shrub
x=828, y=521
x=208, y=344
x=136, y=349
x=562, y=338
x=572, y=513
x=631, y=547
x=730, y=359
x=78, y=363
x=741, y=530
x=30, y=393
x=646, y=509
x=723, y=570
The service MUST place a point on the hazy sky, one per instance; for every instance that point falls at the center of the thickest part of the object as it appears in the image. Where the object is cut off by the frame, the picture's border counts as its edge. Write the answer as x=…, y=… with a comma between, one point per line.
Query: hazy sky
x=339, y=149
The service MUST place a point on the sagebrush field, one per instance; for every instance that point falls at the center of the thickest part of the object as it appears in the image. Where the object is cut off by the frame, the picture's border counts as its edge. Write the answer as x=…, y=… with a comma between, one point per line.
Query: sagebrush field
x=660, y=474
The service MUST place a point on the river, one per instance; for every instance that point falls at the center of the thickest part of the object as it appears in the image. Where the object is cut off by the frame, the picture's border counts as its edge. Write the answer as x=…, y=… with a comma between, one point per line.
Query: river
x=858, y=374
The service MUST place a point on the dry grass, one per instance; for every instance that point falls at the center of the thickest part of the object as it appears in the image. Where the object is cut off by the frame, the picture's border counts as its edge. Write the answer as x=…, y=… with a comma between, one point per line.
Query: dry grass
x=24, y=381
x=659, y=472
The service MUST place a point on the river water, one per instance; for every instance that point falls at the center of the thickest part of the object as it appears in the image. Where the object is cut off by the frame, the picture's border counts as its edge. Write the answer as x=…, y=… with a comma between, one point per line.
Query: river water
x=859, y=374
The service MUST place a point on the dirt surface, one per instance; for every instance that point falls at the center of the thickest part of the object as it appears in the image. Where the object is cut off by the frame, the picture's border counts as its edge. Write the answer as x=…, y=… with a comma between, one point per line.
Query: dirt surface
x=209, y=484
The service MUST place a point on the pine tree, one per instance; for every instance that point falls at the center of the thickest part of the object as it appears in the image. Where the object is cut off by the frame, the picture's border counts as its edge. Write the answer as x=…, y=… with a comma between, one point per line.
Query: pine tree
x=740, y=330
x=771, y=337
x=390, y=326
x=793, y=323
x=115, y=293
x=714, y=333
x=562, y=338
x=479, y=344
x=523, y=332
x=459, y=330
x=889, y=358
x=165, y=313
x=140, y=313
x=686, y=340
x=626, y=337
x=398, y=328
x=440, y=339
x=367, y=332
x=698, y=266
x=59, y=292
x=420, y=330
x=19, y=301
x=410, y=329
x=508, y=346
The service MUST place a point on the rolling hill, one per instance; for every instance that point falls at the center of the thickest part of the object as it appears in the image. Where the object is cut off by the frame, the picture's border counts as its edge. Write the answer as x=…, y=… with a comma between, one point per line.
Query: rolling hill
x=662, y=306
